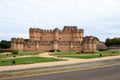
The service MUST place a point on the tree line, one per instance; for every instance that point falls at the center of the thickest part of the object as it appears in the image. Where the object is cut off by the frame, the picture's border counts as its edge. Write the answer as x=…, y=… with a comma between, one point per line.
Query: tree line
x=4, y=44
x=112, y=42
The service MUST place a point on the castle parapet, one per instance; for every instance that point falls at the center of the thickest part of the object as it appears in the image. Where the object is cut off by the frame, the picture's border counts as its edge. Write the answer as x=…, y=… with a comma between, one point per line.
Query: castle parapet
x=81, y=30
x=18, y=40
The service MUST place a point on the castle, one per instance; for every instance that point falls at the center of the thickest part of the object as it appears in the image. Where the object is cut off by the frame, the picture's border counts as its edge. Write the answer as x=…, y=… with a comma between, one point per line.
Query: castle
x=70, y=38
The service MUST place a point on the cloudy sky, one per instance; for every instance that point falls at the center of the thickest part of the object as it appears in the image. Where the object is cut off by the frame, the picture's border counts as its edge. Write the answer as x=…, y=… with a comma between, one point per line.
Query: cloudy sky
x=100, y=18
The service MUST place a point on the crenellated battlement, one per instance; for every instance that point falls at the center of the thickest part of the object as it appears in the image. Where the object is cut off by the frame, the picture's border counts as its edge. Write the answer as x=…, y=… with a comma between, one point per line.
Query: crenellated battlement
x=40, y=30
x=18, y=40
x=66, y=28
x=67, y=33
x=72, y=29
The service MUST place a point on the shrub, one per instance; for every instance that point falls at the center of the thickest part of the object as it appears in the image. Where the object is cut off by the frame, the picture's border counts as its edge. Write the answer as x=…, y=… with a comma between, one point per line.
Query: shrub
x=53, y=50
x=5, y=50
x=102, y=49
x=14, y=52
x=78, y=52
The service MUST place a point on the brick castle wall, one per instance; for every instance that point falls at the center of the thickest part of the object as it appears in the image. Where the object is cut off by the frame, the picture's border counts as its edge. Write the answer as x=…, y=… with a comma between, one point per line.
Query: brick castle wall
x=70, y=38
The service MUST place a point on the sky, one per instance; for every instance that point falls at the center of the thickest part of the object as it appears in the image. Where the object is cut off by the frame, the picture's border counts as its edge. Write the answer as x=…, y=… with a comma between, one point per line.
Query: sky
x=100, y=18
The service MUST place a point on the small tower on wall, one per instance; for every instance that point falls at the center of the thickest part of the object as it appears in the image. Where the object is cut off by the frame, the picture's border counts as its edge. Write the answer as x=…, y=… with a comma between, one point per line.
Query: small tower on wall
x=56, y=33
x=81, y=34
x=56, y=37
x=89, y=44
x=13, y=44
x=35, y=34
x=78, y=34
x=17, y=44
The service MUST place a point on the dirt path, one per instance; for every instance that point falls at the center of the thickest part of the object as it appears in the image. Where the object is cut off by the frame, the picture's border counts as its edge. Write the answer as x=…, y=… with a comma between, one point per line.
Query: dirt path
x=49, y=55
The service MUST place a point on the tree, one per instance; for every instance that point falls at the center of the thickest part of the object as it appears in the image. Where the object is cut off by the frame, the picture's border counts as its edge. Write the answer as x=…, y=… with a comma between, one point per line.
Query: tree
x=5, y=44
x=112, y=42
x=107, y=41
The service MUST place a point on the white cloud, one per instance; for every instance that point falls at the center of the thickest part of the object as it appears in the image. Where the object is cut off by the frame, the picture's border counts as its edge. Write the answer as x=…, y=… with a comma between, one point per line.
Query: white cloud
x=101, y=16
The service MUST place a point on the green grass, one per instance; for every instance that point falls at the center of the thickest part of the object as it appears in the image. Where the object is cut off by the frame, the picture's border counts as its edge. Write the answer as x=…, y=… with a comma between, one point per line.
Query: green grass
x=87, y=55
x=28, y=53
x=19, y=54
x=27, y=60
x=5, y=56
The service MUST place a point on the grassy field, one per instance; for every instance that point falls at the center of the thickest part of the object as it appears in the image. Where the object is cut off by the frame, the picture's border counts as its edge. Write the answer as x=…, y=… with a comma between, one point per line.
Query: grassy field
x=27, y=60
x=87, y=55
x=19, y=54
x=6, y=59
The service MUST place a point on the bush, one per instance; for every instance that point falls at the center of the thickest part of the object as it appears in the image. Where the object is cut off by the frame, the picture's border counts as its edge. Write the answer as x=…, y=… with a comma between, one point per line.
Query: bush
x=102, y=49
x=78, y=52
x=14, y=52
x=5, y=44
x=13, y=62
x=53, y=50
x=5, y=50
x=100, y=55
